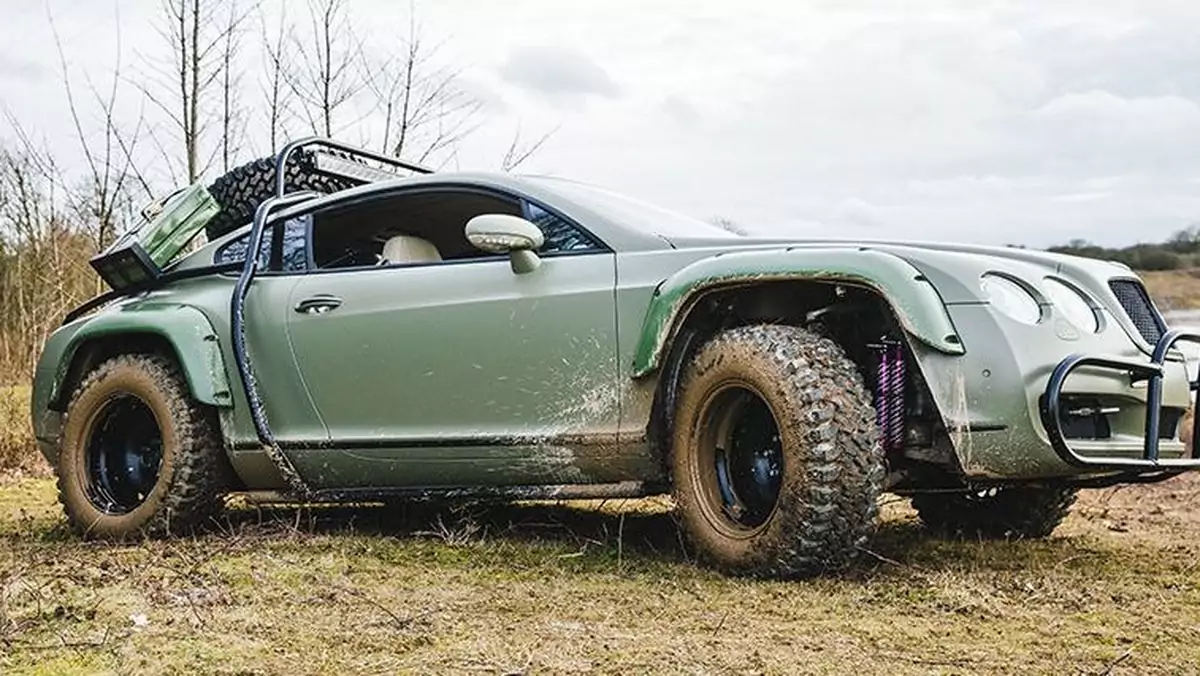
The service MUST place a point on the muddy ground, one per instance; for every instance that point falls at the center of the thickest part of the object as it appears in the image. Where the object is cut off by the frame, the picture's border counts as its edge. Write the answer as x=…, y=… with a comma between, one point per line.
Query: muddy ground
x=594, y=589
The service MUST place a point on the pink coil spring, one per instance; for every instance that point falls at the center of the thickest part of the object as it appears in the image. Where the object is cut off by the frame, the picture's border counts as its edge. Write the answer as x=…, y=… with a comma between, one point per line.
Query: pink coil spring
x=889, y=395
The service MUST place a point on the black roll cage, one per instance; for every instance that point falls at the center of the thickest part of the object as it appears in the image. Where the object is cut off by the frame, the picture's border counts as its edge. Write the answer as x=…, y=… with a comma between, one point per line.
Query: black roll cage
x=348, y=167
x=283, y=199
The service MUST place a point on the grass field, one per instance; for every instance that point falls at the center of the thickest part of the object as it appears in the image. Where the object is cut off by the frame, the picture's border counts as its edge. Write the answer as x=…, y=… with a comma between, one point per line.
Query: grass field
x=589, y=589
x=18, y=453
x=563, y=589
x=1174, y=289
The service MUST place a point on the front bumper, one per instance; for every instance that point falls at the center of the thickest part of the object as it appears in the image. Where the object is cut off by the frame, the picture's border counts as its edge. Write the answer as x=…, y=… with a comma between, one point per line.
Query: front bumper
x=990, y=399
x=1152, y=372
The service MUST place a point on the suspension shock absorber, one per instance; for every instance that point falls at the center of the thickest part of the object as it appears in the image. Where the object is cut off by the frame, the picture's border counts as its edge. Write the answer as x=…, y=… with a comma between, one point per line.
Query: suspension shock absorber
x=891, y=375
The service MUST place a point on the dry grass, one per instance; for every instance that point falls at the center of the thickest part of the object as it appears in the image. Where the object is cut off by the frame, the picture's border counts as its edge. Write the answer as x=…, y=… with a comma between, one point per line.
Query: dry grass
x=1174, y=289
x=589, y=589
x=18, y=452
x=563, y=589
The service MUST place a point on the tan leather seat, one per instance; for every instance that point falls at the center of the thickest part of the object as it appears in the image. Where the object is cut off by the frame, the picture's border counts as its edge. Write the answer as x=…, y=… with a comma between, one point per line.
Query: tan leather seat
x=408, y=249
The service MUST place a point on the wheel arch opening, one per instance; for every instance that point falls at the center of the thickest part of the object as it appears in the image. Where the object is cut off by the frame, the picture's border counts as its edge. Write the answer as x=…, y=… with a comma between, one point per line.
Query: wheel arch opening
x=95, y=350
x=861, y=320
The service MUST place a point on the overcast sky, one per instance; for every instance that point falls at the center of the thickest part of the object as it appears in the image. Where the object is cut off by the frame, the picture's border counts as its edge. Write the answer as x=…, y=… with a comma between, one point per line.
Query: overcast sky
x=994, y=122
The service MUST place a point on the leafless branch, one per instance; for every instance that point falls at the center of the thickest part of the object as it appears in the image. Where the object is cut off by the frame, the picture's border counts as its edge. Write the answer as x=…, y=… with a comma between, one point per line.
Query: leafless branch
x=277, y=99
x=518, y=153
x=203, y=39
x=324, y=80
x=424, y=111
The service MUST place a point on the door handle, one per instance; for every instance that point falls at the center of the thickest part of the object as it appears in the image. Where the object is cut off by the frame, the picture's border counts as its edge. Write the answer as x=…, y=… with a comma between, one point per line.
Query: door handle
x=318, y=304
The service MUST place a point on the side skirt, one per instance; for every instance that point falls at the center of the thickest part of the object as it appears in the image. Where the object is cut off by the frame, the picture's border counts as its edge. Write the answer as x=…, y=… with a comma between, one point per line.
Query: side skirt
x=454, y=464
x=623, y=489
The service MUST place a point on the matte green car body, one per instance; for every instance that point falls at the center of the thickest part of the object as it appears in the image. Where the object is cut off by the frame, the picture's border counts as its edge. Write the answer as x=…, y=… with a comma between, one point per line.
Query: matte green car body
x=471, y=375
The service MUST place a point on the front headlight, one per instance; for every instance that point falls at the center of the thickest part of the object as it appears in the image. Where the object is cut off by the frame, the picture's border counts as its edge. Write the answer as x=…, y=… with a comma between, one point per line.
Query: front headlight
x=1071, y=302
x=1010, y=298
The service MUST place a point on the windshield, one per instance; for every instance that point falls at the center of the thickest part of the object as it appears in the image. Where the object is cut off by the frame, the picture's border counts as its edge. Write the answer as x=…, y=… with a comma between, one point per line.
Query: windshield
x=632, y=213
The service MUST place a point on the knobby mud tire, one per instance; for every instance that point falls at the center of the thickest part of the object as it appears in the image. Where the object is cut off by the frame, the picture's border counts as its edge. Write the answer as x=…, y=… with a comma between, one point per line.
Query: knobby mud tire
x=832, y=462
x=244, y=188
x=1017, y=512
x=194, y=475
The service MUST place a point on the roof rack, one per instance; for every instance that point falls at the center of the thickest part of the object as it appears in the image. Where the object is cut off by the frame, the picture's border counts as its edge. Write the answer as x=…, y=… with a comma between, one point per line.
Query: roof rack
x=346, y=161
x=137, y=259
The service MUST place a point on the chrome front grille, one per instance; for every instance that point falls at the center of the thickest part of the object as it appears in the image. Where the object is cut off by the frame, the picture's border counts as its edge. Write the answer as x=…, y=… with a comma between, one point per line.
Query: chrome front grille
x=1137, y=305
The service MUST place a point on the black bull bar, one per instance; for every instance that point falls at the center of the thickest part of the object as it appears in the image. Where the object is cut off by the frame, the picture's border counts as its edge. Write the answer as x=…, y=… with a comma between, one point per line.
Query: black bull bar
x=1152, y=372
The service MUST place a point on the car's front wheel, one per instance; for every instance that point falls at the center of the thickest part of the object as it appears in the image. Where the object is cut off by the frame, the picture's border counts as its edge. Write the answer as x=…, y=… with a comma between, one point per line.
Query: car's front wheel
x=775, y=461
x=996, y=512
x=138, y=456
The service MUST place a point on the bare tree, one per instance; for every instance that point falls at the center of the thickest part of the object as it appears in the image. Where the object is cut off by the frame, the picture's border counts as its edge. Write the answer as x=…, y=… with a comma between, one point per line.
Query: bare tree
x=233, y=121
x=43, y=257
x=519, y=152
x=108, y=160
x=423, y=108
x=202, y=45
x=276, y=54
x=325, y=79
x=52, y=221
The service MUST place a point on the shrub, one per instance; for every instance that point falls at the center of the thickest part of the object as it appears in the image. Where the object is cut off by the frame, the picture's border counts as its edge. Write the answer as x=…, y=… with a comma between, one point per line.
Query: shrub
x=18, y=451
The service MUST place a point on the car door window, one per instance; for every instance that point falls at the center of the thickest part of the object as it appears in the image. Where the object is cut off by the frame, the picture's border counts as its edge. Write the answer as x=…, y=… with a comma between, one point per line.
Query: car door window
x=561, y=236
x=413, y=228
x=291, y=254
x=424, y=226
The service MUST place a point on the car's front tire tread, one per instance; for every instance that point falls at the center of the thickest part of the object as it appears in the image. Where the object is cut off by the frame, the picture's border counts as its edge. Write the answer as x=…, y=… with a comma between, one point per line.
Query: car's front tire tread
x=200, y=473
x=833, y=465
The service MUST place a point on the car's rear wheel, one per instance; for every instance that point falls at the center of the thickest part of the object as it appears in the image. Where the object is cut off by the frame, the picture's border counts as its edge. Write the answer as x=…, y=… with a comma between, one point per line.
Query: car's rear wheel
x=997, y=512
x=775, y=460
x=138, y=456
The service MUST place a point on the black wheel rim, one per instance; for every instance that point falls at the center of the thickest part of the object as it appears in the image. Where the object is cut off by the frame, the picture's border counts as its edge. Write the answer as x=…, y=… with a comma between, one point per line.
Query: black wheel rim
x=124, y=455
x=742, y=453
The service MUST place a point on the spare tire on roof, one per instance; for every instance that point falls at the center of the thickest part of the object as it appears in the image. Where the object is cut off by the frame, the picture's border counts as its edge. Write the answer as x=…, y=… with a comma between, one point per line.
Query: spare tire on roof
x=240, y=191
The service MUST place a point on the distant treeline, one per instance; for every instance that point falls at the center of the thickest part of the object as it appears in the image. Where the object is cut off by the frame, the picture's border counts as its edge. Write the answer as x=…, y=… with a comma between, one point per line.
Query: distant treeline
x=1181, y=250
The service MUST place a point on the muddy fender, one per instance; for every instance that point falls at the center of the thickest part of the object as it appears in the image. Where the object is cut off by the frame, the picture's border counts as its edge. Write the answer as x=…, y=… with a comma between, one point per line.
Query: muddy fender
x=185, y=328
x=914, y=301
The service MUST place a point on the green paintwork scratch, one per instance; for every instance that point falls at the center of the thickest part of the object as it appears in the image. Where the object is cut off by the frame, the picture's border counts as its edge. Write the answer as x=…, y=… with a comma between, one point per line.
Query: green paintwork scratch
x=913, y=299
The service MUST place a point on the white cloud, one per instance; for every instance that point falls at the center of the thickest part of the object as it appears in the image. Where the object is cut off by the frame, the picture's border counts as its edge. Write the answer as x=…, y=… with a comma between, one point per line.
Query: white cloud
x=557, y=73
x=989, y=121
x=18, y=69
x=857, y=212
x=680, y=109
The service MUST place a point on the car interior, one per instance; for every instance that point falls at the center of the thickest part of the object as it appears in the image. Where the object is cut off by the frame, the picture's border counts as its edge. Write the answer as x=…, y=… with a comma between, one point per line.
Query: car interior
x=424, y=227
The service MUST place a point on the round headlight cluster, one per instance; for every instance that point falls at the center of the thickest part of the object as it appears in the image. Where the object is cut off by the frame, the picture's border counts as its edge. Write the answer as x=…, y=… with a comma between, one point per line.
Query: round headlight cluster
x=1018, y=302
x=1071, y=303
x=1011, y=298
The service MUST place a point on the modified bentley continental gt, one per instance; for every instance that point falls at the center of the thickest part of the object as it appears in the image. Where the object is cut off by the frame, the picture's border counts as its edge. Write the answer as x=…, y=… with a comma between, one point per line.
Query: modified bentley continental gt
x=354, y=328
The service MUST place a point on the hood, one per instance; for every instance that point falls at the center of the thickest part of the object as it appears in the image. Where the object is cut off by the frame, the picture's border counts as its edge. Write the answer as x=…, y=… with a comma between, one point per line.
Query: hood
x=954, y=269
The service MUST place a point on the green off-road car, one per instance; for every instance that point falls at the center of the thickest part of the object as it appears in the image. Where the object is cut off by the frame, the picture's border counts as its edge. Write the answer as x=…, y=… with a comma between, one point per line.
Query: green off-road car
x=361, y=329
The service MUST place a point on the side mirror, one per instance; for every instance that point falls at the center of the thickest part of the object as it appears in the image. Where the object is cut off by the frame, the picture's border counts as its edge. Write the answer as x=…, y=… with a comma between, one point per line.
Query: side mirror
x=501, y=233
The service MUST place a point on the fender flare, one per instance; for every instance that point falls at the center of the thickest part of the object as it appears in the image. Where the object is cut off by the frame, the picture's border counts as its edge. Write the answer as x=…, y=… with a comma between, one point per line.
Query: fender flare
x=185, y=328
x=914, y=301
